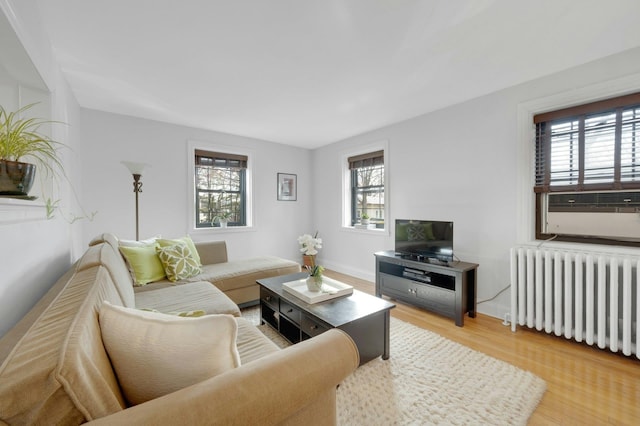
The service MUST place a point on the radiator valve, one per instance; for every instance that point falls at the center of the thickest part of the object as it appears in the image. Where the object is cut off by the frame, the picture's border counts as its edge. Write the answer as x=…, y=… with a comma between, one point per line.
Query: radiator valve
x=507, y=319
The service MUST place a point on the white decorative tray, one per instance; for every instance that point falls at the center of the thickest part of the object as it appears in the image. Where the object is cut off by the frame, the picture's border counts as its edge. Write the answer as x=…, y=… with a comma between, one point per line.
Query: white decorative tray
x=330, y=289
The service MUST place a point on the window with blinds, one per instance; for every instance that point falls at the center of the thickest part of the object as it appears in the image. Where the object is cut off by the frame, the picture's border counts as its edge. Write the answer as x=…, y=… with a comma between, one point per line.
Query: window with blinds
x=367, y=188
x=586, y=149
x=591, y=149
x=220, y=186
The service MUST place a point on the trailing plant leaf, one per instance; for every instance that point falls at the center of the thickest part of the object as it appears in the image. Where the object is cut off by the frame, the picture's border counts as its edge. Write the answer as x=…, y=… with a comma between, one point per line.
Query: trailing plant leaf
x=51, y=206
x=71, y=217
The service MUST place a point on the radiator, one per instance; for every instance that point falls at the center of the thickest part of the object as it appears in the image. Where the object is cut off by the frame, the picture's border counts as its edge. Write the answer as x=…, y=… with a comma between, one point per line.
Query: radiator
x=591, y=298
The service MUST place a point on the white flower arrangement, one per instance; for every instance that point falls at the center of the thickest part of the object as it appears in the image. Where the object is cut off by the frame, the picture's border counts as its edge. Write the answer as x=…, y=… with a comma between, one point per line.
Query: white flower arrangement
x=309, y=245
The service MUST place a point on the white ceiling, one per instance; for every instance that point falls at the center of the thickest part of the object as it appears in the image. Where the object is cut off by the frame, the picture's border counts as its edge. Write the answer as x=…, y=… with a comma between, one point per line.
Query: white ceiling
x=308, y=73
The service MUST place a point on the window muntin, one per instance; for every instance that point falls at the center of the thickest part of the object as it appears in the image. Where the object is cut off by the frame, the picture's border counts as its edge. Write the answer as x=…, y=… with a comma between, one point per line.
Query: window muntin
x=220, y=187
x=367, y=187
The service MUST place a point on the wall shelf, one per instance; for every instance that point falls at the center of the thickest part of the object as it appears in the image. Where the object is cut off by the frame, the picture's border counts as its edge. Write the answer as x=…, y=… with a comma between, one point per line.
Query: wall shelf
x=21, y=209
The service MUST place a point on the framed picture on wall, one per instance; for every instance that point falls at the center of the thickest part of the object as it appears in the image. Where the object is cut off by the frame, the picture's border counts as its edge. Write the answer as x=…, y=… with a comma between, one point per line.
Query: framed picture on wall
x=287, y=187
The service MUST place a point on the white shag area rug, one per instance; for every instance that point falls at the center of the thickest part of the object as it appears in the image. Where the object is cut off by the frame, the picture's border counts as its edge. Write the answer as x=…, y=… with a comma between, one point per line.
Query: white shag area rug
x=430, y=380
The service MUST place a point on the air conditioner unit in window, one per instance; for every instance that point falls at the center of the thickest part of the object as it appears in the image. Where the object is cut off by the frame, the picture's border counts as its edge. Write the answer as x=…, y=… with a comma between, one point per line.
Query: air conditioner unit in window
x=593, y=214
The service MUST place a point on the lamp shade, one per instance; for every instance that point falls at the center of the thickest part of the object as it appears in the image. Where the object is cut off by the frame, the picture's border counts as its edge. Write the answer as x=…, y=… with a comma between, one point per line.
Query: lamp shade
x=135, y=168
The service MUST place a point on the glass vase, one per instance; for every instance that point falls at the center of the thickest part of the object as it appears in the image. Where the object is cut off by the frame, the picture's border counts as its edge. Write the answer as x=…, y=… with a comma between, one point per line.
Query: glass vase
x=314, y=283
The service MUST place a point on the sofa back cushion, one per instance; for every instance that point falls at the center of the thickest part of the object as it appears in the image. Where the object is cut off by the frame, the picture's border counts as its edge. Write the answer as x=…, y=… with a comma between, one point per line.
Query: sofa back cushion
x=212, y=252
x=105, y=237
x=104, y=254
x=59, y=371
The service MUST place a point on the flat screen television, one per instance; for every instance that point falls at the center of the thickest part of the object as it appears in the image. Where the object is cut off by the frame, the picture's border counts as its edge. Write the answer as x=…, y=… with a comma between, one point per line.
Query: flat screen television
x=424, y=240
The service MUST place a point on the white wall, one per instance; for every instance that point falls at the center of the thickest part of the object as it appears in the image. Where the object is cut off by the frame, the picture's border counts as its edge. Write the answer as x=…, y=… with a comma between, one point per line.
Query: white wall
x=108, y=186
x=34, y=251
x=460, y=164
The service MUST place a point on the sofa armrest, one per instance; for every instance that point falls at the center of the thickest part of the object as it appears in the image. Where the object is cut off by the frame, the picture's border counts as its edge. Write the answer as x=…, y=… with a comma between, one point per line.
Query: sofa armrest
x=212, y=252
x=276, y=389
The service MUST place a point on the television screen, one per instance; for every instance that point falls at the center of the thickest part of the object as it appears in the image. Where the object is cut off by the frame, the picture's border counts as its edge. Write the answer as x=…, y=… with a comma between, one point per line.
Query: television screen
x=424, y=239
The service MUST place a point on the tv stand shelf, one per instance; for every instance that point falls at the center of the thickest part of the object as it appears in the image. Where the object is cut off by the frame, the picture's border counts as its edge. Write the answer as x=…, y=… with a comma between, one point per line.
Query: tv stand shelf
x=448, y=290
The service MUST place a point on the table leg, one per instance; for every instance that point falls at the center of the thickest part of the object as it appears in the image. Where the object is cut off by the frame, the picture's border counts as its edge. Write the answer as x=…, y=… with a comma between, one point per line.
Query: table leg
x=387, y=327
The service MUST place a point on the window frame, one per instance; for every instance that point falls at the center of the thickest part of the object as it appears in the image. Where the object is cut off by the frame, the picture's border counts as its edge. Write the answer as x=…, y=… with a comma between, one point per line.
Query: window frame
x=192, y=147
x=370, y=161
x=347, y=206
x=240, y=169
x=578, y=174
x=525, y=151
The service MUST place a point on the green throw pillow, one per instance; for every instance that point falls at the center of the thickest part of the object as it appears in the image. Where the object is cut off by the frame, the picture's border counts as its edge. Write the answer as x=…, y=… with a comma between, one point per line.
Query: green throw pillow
x=178, y=262
x=144, y=263
x=187, y=314
x=163, y=242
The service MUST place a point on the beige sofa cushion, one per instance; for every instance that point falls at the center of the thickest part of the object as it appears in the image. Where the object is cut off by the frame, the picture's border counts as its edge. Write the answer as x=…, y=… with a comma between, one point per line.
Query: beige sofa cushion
x=198, y=296
x=104, y=254
x=154, y=354
x=59, y=371
x=251, y=343
x=245, y=272
x=105, y=237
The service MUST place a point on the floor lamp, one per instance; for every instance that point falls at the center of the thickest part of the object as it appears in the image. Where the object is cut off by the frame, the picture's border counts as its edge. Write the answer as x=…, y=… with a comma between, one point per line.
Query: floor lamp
x=136, y=170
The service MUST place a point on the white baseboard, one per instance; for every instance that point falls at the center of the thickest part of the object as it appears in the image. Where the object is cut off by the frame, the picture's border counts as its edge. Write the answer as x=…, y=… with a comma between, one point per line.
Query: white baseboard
x=354, y=272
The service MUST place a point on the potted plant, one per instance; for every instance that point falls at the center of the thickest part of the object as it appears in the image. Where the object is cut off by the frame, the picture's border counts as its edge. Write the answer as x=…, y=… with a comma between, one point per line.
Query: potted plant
x=364, y=219
x=20, y=137
x=314, y=281
x=223, y=218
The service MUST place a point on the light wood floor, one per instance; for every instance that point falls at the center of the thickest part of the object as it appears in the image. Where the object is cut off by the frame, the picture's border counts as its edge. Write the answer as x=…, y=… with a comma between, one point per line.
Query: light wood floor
x=585, y=386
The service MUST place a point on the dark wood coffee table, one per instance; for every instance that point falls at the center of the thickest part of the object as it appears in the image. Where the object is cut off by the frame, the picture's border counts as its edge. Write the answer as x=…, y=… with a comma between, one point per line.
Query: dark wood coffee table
x=364, y=317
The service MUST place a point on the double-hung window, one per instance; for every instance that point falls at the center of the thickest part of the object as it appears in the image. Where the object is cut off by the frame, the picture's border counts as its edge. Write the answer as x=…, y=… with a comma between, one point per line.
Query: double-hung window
x=588, y=162
x=220, y=189
x=367, y=188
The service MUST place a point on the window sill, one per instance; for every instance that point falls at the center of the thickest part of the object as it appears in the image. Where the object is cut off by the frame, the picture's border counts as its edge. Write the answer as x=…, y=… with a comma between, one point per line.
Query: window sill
x=218, y=230
x=374, y=231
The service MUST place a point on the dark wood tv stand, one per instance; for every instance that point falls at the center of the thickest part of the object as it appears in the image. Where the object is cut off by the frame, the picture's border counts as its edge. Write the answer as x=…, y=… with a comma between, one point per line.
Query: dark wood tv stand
x=447, y=290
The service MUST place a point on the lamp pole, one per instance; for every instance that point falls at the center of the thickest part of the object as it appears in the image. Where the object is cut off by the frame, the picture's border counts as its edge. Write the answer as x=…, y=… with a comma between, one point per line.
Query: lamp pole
x=136, y=170
x=137, y=188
